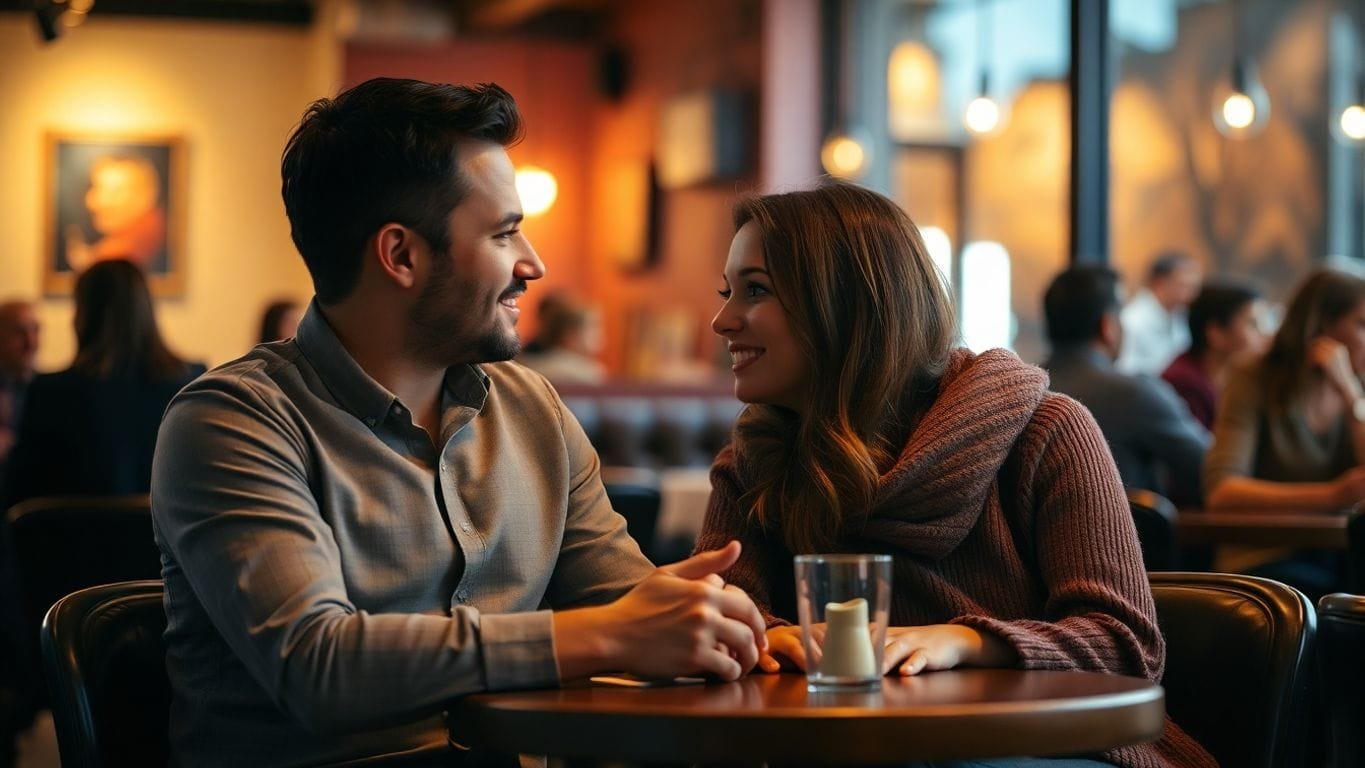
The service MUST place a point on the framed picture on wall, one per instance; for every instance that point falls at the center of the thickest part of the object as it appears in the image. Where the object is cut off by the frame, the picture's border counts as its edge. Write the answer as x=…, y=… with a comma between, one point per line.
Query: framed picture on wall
x=114, y=197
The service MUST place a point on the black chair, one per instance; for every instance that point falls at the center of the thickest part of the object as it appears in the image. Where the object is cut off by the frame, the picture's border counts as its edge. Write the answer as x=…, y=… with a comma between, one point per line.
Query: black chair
x=1341, y=643
x=1239, y=665
x=1154, y=516
x=1355, y=565
x=104, y=661
x=634, y=494
x=66, y=543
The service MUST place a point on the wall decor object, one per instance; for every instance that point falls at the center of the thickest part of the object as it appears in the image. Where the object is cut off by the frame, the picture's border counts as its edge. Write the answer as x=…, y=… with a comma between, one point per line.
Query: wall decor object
x=705, y=137
x=114, y=197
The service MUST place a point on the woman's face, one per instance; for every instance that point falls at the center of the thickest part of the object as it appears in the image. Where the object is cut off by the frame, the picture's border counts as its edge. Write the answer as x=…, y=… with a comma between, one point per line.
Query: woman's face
x=1349, y=329
x=768, y=364
x=1242, y=339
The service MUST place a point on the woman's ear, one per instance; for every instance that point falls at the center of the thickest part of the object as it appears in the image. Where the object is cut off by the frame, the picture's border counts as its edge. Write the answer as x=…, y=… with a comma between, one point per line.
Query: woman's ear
x=399, y=253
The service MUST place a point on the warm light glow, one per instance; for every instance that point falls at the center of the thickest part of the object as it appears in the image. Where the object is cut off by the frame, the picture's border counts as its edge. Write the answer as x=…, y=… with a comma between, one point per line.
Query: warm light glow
x=912, y=84
x=82, y=6
x=1239, y=111
x=537, y=188
x=982, y=116
x=1353, y=122
x=843, y=156
x=987, y=321
x=940, y=249
x=72, y=18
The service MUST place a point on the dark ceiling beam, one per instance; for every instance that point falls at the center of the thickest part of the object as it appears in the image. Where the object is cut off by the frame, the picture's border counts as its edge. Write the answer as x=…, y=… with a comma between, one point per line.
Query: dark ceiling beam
x=502, y=15
x=287, y=12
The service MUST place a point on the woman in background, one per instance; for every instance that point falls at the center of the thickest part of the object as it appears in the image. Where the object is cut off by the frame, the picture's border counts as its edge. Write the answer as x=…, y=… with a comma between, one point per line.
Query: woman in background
x=279, y=321
x=91, y=428
x=866, y=431
x=1290, y=433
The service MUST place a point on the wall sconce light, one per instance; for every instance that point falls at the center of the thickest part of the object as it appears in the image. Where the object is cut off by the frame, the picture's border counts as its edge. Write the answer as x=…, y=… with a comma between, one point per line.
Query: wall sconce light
x=537, y=189
x=1241, y=106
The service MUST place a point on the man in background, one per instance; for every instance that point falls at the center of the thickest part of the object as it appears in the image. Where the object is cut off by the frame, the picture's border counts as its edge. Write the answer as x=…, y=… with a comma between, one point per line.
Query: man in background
x=1156, y=443
x=1155, y=327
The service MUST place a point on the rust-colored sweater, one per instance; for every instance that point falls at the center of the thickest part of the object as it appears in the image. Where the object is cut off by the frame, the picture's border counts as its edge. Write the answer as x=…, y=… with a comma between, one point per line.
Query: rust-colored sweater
x=1005, y=513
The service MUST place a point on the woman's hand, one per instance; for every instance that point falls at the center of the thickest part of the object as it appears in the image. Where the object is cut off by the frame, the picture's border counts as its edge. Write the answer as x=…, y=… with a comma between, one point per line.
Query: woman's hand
x=1334, y=360
x=784, y=645
x=911, y=650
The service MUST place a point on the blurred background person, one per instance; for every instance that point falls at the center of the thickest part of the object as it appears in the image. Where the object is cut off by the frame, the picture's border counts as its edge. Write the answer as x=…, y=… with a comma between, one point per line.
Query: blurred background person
x=1156, y=443
x=18, y=351
x=1290, y=432
x=279, y=321
x=568, y=343
x=91, y=428
x=1225, y=334
x=1155, y=328
x=124, y=203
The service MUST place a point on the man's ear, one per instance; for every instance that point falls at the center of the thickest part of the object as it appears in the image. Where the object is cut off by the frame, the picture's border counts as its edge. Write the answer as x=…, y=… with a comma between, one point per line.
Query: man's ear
x=1111, y=331
x=399, y=252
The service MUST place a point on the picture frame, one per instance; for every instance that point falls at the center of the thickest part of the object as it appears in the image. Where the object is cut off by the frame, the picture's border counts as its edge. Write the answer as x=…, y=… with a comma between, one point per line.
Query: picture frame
x=114, y=196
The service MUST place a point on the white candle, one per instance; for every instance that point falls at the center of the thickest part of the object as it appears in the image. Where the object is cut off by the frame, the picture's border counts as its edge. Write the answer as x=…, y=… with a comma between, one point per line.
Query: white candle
x=848, y=644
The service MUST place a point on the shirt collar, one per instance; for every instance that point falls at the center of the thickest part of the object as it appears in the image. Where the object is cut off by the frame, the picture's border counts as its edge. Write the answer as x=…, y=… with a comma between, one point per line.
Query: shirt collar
x=1084, y=353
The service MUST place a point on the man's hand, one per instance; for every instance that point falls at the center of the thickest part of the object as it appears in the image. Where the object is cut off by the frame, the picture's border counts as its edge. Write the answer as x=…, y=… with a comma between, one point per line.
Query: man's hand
x=681, y=620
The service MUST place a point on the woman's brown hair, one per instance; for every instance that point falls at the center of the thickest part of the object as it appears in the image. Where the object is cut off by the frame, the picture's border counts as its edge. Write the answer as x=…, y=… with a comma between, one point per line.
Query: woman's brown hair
x=871, y=314
x=116, y=332
x=1324, y=297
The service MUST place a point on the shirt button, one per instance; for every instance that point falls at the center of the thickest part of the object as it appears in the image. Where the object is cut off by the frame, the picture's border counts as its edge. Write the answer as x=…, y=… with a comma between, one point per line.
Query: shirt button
x=464, y=527
x=462, y=596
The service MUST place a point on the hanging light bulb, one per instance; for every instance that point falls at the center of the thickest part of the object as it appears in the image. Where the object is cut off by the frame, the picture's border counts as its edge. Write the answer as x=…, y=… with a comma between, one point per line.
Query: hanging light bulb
x=845, y=154
x=1241, y=107
x=984, y=116
x=1349, y=125
x=537, y=189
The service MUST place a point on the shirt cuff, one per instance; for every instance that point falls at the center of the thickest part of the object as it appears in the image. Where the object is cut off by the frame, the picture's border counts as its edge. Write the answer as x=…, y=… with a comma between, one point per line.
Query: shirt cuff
x=518, y=650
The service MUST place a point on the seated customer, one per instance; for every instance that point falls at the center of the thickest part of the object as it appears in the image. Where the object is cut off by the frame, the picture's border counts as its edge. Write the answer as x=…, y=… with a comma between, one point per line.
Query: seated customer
x=866, y=431
x=1225, y=334
x=570, y=337
x=279, y=321
x=1156, y=443
x=381, y=514
x=91, y=429
x=1155, y=328
x=1291, y=430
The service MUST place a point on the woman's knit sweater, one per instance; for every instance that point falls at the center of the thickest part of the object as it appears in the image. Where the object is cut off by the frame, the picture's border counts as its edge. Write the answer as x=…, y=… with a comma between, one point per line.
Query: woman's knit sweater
x=1004, y=512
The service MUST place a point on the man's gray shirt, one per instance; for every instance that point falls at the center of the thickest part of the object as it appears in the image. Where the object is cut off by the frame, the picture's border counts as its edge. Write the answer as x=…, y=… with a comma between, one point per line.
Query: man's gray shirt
x=333, y=578
x=1148, y=427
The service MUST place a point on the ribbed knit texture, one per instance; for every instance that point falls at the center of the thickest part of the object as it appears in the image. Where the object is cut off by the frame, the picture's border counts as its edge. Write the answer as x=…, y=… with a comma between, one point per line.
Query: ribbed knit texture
x=1052, y=565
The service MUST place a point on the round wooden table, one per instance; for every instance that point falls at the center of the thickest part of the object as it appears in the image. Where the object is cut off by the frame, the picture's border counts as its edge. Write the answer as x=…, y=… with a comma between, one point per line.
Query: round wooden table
x=941, y=715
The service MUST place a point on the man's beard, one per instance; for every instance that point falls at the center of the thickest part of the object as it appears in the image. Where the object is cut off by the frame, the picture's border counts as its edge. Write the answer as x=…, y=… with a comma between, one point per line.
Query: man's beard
x=438, y=324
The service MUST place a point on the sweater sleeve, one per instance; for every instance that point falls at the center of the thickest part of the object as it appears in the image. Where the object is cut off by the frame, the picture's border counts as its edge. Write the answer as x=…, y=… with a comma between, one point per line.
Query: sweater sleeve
x=725, y=520
x=1098, y=611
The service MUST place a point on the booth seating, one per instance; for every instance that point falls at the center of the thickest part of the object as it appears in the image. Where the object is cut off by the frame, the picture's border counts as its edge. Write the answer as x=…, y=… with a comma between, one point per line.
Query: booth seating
x=1239, y=665
x=1342, y=644
x=652, y=426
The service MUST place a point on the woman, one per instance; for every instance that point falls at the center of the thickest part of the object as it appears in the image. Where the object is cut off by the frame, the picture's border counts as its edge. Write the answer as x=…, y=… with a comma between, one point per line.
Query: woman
x=1225, y=334
x=1291, y=430
x=279, y=321
x=91, y=428
x=868, y=432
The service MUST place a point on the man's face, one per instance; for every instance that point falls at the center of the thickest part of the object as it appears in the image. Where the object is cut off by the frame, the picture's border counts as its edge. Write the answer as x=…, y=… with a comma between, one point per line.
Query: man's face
x=18, y=339
x=1176, y=290
x=467, y=311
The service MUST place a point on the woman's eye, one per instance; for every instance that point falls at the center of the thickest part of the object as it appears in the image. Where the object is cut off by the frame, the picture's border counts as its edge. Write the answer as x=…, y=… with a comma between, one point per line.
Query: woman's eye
x=754, y=290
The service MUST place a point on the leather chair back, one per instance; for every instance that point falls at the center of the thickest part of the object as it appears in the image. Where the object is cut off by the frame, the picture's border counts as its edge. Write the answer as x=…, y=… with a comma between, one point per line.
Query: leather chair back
x=1154, y=517
x=105, y=664
x=66, y=543
x=1239, y=665
x=1341, y=644
x=1355, y=537
x=634, y=494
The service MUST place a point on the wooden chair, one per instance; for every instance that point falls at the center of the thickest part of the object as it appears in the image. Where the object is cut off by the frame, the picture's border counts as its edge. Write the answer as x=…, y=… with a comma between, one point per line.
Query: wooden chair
x=1239, y=665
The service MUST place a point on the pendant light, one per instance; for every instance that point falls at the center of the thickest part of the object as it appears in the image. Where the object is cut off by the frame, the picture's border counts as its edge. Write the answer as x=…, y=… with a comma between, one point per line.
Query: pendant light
x=984, y=115
x=1348, y=124
x=846, y=150
x=1241, y=106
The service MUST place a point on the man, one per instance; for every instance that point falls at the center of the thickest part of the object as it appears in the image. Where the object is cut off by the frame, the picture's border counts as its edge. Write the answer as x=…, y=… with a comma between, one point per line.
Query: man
x=18, y=351
x=375, y=517
x=1156, y=443
x=1155, y=329
x=124, y=203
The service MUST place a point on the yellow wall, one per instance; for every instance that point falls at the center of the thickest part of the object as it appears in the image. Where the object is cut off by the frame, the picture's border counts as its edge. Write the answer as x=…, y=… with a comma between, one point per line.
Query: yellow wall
x=233, y=92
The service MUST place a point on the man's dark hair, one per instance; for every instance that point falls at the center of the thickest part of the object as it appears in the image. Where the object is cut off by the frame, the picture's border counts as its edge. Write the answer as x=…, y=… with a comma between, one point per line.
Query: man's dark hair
x=383, y=151
x=1076, y=301
x=1165, y=264
x=1216, y=304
